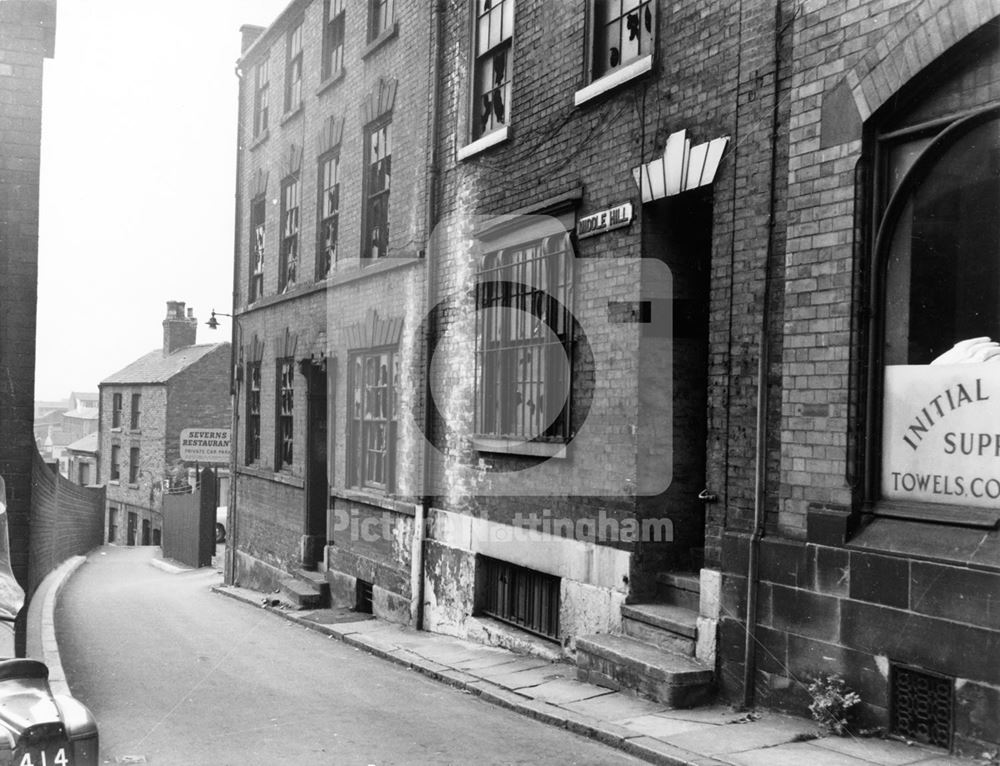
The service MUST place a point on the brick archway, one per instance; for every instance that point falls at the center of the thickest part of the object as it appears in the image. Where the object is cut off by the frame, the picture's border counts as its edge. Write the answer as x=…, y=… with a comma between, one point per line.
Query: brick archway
x=926, y=32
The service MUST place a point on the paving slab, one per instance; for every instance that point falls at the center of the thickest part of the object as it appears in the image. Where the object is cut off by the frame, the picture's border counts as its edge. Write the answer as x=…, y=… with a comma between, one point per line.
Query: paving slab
x=518, y=665
x=561, y=690
x=522, y=679
x=794, y=754
x=660, y=727
x=615, y=707
x=769, y=731
x=487, y=661
x=880, y=751
x=717, y=715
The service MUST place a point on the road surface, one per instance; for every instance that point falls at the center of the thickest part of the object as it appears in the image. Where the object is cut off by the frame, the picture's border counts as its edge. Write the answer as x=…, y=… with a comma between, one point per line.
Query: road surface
x=176, y=674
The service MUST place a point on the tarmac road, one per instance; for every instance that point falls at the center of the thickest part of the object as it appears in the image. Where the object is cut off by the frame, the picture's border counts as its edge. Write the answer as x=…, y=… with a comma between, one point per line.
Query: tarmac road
x=177, y=674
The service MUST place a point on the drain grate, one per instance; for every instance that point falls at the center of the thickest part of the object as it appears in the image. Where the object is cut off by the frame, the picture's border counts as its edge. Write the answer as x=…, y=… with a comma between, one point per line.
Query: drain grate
x=921, y=705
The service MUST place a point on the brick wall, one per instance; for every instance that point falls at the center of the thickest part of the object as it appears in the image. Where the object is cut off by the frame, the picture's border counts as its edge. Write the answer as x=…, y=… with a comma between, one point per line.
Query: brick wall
x=149, y=438
x=66, y=520
x=26, y=38
x=198, y=397
x=314, y=319
x=840, y=591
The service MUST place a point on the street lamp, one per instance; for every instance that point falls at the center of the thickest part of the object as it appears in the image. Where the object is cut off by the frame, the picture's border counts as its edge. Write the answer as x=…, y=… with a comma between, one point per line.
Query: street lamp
x=232, y=523
x=212, y=322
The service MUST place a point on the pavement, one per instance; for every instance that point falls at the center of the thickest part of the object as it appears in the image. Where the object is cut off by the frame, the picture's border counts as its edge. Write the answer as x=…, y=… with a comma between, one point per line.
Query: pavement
x=549, y=692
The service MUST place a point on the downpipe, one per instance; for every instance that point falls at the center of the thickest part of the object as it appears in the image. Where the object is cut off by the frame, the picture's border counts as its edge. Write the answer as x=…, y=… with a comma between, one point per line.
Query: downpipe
x=763, y=363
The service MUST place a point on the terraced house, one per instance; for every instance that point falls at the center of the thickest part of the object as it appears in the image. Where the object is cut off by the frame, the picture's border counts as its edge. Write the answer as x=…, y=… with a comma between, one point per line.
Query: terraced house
x=669, y=350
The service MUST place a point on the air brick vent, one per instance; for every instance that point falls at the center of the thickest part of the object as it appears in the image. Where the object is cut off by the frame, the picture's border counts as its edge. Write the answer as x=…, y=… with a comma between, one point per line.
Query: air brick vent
x=921, y=705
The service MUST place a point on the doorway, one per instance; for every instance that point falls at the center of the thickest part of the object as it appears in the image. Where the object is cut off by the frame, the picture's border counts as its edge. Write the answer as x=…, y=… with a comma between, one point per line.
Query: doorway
x=317, y=485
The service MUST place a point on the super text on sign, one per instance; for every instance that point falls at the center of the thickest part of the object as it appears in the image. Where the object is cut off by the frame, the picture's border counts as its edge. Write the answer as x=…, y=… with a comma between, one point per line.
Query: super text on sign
x=205, y=445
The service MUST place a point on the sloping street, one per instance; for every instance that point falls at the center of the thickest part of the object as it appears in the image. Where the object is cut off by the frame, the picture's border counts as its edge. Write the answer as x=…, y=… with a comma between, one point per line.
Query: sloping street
x=177, y=674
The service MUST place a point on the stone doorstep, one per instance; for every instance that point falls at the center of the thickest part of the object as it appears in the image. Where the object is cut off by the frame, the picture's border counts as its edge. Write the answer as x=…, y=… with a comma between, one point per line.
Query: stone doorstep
x=635, y=667
x=680, y=589
x=301, y=593
x=315, y=577
x=665, y=639
x=668, y=617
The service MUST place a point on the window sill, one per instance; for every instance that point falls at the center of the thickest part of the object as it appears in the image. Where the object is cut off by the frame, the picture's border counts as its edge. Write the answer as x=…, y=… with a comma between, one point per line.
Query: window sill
x=330, y=81
x=272, y=476
x=482, y=144
x=611, y=81
x=517, y=447
x=939, y=513
x=291, y=114
x=114, y=483
x=116, y=429
x=381, y=40
x=258, y=140
x=133, y=485
x=373, y=498
x=938, y=543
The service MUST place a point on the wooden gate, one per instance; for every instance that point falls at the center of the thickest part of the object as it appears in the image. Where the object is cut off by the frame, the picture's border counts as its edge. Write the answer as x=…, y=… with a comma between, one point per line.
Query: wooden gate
x=189, y=523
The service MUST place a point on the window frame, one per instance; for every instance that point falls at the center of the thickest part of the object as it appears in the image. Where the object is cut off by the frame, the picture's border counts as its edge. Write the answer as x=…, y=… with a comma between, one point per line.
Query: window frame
x=116, y=409
x=258, y=248
x=284, y=414
x=377, y=25
x=251, y=447
x=370, y=198
x=261, y=98
x=480, y=135
x=334, y=27
x=134, y=412
x=556, y=300
x=114, y=472
x=133, y=465
x=358, y=428
x=886, y=208
x=595, y=84
x=291, y=229
x=293, y=67
x=324, y=260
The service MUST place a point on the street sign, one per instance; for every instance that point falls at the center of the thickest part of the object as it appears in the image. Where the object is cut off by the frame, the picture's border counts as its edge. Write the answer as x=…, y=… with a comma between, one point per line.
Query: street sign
x=205, y=445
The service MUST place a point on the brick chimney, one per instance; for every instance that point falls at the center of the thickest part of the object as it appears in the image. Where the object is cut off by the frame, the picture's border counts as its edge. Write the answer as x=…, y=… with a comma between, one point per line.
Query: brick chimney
x=179, y=330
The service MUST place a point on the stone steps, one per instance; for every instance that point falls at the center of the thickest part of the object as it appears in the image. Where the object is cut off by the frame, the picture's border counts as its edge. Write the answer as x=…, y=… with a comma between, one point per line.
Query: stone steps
x=679, y=588
x=632, y=666
x=306, y=590
x=667, y=626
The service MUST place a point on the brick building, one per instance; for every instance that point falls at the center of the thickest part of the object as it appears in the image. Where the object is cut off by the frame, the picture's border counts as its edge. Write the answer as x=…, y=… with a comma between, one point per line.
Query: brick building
x=331, y=226
x=683, y=262
x=144, y=407
x=875, y=552
x=27, y=38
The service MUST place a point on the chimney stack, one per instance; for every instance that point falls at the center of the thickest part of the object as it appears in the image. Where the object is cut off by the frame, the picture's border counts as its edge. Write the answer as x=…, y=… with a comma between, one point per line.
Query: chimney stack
x=179, y=331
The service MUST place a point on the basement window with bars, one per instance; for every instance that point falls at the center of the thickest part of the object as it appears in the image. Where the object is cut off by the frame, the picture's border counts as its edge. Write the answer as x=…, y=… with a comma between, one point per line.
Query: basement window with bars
x=519, y=596
x=524, y=342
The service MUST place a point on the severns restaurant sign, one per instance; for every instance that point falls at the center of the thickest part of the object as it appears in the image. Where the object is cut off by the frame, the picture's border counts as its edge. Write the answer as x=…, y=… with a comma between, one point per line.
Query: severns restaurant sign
x=941, y=434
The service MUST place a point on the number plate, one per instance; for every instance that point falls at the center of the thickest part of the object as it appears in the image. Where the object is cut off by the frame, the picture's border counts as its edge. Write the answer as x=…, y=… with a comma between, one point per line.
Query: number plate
x=49, y=756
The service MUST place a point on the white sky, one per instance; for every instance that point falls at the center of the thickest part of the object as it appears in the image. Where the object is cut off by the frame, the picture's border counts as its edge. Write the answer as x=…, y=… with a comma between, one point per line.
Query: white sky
x=138, y=178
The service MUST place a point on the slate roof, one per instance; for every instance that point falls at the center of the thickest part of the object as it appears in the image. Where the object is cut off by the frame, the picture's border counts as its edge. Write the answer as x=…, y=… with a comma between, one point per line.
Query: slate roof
x=87, y=444
x=154, y=367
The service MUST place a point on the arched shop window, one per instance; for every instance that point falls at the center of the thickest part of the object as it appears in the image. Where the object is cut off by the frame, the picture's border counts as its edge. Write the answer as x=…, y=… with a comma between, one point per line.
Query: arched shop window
x=937, y=332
